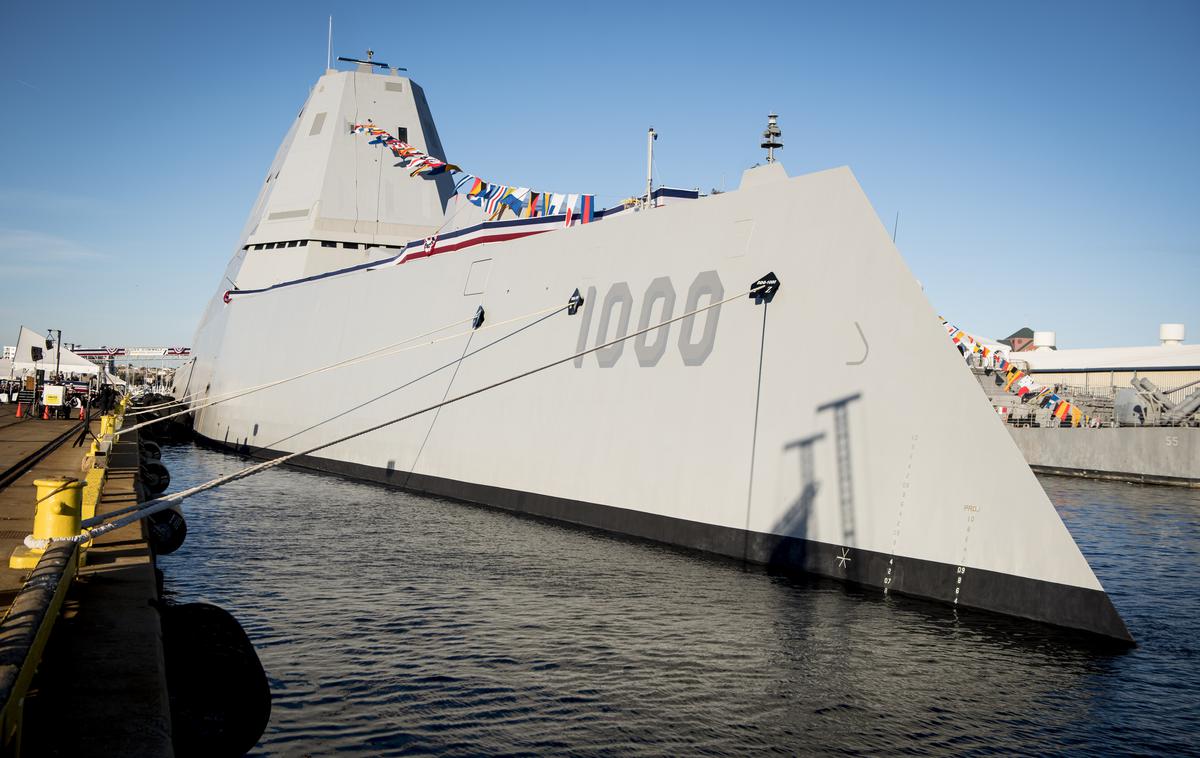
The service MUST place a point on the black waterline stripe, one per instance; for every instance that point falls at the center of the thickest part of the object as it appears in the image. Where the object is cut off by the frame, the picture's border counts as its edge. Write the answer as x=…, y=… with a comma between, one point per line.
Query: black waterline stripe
x=1063, y=605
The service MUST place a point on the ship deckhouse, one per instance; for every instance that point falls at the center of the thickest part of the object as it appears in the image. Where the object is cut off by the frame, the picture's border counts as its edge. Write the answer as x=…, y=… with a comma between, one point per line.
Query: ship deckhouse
x=330, y=199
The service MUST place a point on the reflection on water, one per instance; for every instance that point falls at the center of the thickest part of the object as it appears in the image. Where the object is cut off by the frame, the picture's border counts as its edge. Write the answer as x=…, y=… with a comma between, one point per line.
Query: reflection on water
x=389, y=622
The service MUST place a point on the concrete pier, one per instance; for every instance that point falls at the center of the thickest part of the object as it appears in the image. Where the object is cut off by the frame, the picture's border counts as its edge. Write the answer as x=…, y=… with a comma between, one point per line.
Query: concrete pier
x=1149, y=455
x=21, y=440
x=100, y=688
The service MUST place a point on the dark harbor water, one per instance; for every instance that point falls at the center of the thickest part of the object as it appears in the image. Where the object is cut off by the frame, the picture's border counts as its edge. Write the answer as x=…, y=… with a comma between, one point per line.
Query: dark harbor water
x=390, y=623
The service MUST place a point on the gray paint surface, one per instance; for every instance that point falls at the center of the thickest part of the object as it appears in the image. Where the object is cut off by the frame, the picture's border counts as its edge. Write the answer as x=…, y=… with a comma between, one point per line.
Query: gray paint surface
x=672, y=440
x=1168, y=455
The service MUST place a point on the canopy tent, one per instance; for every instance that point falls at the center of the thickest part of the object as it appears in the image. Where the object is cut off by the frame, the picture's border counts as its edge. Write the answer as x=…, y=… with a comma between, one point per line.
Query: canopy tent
x=68, y=363
x=114, y=380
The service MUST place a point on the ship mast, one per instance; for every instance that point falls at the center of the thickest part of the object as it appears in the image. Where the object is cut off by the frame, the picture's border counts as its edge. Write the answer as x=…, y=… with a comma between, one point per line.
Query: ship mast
x=772, y=137
x=650, y=137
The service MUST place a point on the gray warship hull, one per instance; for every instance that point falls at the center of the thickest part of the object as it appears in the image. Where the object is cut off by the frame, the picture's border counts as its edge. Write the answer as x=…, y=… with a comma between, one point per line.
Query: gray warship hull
x=778, y=432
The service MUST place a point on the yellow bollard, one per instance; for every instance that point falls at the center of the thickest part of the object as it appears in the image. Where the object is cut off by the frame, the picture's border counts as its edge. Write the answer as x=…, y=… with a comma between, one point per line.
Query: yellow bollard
x=93, y=483
x=59, y=505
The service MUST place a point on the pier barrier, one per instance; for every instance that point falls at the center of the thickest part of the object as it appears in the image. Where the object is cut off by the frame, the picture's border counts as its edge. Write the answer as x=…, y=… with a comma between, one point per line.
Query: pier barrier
x=24, y=632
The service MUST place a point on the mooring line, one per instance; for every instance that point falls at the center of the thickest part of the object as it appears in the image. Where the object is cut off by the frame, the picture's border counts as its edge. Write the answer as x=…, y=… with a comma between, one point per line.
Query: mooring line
x=361, y=357
x=161, y=504
x=159, y=406
x=375, y=355
x=754, y=435
x=413, y=381
x=438, y=412
x=138, y=506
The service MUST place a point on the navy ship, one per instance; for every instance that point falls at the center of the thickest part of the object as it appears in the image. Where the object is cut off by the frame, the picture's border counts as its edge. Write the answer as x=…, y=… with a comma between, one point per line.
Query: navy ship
x=724, y=372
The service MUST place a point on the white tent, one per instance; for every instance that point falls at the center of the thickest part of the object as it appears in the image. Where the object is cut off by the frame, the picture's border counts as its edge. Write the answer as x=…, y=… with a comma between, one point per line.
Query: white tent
x=114, y=380
x=69, y=363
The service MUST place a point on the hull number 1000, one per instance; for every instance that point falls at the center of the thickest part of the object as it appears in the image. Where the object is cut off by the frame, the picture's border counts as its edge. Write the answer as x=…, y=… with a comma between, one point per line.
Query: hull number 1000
x=696, y=333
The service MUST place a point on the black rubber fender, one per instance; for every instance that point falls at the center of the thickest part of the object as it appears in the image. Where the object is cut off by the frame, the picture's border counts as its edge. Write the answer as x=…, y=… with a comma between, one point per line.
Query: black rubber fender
x=167, y=531
x=155, y=477
x=150, y=450
x=219, y=694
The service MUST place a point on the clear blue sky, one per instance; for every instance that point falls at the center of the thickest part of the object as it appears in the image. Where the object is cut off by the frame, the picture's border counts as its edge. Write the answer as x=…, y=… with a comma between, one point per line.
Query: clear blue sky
x=1044, y=157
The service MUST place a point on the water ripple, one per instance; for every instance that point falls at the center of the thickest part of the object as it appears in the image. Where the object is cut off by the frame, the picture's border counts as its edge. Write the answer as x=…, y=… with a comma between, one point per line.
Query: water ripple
x=391, y=623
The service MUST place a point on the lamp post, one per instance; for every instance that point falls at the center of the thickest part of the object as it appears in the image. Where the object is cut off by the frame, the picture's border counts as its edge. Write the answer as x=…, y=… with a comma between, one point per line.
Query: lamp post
x=57, y=349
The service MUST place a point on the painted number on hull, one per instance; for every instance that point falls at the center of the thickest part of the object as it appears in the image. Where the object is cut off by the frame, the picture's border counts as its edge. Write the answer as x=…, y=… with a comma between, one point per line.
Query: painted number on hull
x=695, y=342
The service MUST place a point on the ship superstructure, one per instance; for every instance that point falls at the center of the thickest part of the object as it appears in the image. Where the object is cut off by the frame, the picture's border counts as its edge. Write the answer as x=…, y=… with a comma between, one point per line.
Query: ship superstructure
x=733, y=386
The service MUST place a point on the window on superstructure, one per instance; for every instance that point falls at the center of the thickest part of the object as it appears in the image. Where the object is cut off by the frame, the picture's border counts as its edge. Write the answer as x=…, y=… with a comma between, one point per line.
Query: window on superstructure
x=326, y=243
x=293, y=243
x=402, y=133
x=350, y=245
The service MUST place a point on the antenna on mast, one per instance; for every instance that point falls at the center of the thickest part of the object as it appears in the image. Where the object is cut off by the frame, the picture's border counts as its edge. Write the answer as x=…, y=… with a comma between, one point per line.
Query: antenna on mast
x=369, y=61
x=329, y=47
x=772, y=137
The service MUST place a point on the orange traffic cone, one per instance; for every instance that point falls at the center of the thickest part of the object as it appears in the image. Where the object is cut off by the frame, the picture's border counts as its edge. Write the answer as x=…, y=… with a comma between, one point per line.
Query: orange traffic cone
x=20, y=410
x=45, y=413
x=81, y=413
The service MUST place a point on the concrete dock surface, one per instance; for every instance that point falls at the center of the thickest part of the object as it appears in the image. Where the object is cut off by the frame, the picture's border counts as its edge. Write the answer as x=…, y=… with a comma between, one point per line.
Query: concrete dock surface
x=19, y=438
x=101, y=687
